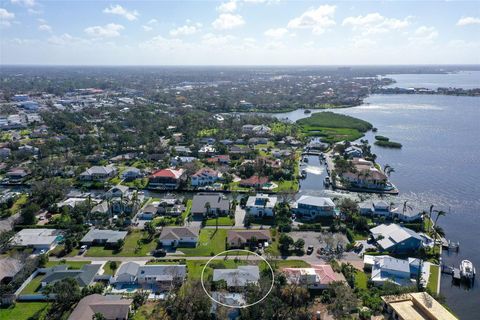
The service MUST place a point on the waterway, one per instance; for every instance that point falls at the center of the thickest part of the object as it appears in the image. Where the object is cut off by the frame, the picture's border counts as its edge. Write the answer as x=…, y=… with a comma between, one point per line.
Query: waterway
x=438, y=164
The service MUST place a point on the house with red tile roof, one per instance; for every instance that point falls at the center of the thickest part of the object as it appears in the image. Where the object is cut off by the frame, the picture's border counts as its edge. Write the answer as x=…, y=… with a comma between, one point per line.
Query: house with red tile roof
x=253, y=182
x=166, y=179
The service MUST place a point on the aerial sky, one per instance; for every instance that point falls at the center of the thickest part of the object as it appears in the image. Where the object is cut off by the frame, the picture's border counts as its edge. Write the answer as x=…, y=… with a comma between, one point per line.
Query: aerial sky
x=239, y=32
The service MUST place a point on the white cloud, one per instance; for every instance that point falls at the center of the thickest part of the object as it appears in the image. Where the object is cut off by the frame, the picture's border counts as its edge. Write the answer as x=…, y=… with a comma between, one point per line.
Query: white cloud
x=227, y=21
x=66, y=40
x=6, y=17
x=276, y=33
x=186, y=30
x=26, y=3
x=147, y=28
x=374, y=23
x=465, y=21
x=108, y=31
x=424, y=35
x=45, y=27
x=152, y=21
x=211, y=39
x=121, y=11
x=227, y=7
x=318, y=20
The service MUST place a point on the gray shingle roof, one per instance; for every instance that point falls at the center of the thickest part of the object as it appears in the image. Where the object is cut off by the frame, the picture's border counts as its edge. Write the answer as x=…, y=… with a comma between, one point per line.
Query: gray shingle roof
x=216, y=200
x=111, y=236
x=237, y=277
x=172, y=233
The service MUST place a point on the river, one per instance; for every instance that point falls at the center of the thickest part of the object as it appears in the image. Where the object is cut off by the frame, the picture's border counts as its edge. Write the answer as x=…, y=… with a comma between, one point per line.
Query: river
x=439, y=164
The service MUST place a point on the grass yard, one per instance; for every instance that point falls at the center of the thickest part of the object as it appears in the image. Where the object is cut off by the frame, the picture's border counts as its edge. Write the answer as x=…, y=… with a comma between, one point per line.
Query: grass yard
x=23, y=310
x=188, y=208
x=222, y=221
x=209, y=241
x=432, y=284
x=145, y=312
x=107, y=269
x=136, y=245
x=18, y=204
x=286, y=185
x=71, y=264
x=361, y=279
x=279, y=264
x=34, y=285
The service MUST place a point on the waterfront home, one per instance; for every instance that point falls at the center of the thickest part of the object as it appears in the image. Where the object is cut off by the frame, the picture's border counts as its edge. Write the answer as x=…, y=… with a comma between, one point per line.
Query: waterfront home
x=415, y=305
x=254, y=182
x=204, y=176
x=153, y=277
x=38, y=239
x=396, y=239
x=166, y=179
x=111, y=307
x=261, y=205
x=207, y=204
x=376, y=208
x=131, y=173
x=98, y=173
x=366, y=175
x=149, y=211
x=103, y=237
x=238, y=278
x=315, y=277
x=117, y=191
x=242, y=238
x=388, y=269
x=354, y=152
x=311, y=207
x=84, y=276
x=178, y=237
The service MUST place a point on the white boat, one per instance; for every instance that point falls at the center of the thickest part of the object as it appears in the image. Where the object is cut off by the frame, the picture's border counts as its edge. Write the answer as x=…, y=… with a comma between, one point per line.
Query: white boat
x=467, y=270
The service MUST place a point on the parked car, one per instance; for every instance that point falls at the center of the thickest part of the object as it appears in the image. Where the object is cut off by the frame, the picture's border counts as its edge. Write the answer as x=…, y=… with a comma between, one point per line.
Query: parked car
x=159, y=253
x=310, y=250
x=83, y=249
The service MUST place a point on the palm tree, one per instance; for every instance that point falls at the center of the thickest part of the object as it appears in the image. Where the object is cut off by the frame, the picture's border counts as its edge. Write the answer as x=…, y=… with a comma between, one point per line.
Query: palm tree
x=438, y=232
x=430, y=217
x=439, y=214
x=406, y=207
x=388, y=169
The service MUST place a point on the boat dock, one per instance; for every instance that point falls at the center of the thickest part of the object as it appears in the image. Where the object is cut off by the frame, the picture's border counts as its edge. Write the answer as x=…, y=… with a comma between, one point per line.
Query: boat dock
x=450, y=245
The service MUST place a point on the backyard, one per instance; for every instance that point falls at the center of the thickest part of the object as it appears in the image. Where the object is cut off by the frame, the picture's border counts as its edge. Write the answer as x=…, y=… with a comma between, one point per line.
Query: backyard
x=432, y=284
x=23, y=310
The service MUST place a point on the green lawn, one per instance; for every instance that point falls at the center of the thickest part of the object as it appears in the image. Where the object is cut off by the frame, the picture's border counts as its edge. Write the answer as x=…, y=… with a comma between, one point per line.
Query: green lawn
x=145, y=312
x=209, y=241
x=71, y=264
x=432, y=284
x=288, y=185
x=108, y=270
x=23, y=310
x=361, y=279
x=279, y=264
x=188, y=208
x=222, y=221
x=195, y=267
x=34, y=285
x=136, y=245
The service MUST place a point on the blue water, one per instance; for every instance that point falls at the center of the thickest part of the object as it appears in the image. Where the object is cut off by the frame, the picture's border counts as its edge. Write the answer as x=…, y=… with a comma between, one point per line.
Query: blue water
x=462, y=79
x=439, y=164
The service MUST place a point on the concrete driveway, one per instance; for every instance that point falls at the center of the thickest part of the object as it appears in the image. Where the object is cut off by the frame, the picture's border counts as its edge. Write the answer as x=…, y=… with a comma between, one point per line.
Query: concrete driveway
x=239, y=216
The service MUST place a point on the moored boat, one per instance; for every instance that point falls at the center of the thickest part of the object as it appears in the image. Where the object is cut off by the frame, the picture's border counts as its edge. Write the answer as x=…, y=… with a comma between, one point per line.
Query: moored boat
x=467, y=270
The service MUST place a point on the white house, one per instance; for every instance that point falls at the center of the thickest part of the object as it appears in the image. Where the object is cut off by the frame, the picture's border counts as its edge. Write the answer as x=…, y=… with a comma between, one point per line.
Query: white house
x=261, y=205
x=311, y=207
x=38, y=239
x=204, y=176
x=178, y=237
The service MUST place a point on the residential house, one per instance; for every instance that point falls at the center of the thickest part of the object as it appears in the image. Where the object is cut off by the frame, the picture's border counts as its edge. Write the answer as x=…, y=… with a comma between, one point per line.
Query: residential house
x=243, y=238
x=149, y=211
x=171, y=206
x=354, y=152
x=258, y=140
x=204, y=176
x=38, y=239
x=103, y=237
x=117, y=191
x=178, y=237
x=366, y=175
x=168, y=179
x=111, y=307
x=223, y=159
x=311, y=207
x=217, y=204
x=415, y=305
x=131, y=173
x=237, y=278
x=17, y=175
x=178, y=160
x=401, y=272
x=207, y=150
x=376, y=208
x=182, y=150
x=236, y=150
x=315, y=277
x=98, y=173
x=153, y=277
x=84, y=276
x=254, y=182
x=261, y=205
x=396, y=239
